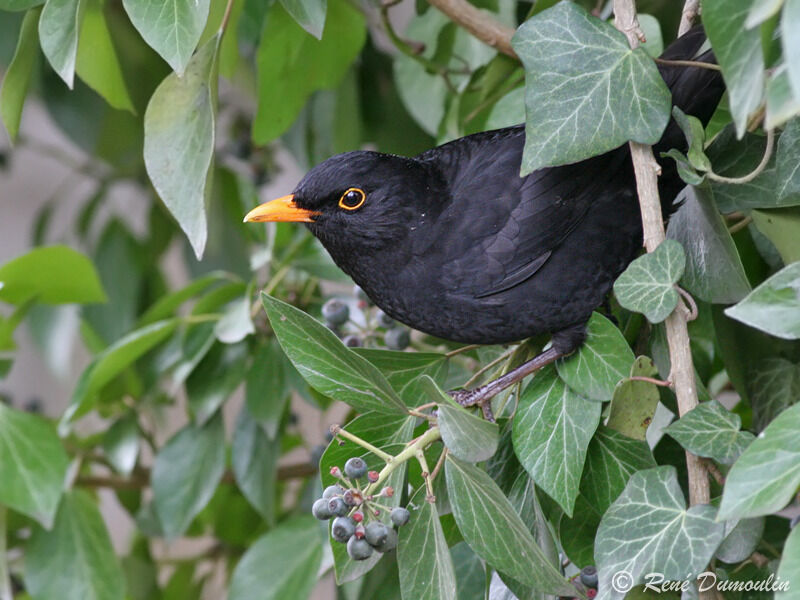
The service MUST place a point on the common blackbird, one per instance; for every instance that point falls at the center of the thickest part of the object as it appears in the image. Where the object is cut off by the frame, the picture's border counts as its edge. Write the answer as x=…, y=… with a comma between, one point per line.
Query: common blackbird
x=455, y=243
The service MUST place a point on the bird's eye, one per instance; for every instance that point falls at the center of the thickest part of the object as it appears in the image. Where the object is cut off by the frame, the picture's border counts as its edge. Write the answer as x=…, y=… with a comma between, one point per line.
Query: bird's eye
x=352, y=199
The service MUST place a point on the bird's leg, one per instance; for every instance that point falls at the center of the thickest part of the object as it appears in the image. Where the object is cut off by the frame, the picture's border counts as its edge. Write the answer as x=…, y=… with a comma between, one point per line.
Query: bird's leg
x=565, y=342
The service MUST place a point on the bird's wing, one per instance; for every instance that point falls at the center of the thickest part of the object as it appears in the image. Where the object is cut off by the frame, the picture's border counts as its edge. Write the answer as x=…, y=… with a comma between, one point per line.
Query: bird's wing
x=498, y=229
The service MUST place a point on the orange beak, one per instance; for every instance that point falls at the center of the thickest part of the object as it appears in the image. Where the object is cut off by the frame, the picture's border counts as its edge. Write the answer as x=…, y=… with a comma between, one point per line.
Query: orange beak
x=282, y=209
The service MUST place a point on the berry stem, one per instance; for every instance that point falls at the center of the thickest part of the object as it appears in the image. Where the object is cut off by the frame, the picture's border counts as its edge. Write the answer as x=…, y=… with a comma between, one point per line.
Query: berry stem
x=409, y=452
x=426, y=474
x=384, y=456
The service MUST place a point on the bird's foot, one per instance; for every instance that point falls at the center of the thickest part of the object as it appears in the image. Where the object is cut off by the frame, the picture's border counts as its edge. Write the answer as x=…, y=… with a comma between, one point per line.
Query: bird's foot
x=476, y=397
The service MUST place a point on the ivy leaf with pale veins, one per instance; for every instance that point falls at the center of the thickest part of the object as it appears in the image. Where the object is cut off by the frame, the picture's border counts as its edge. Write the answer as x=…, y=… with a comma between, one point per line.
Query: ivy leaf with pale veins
x=186, y=473
x=326, y=364
x=739, y=54
x=774, y=306
x=648, y=529
x=714, y=271
x=647, y=286
x=713, y=431
x=466, y=435
x=587, y=91
x=634, y=402
x=602, y=360
x=790, y=25
x=788, y=159
x=774, y=386
x=741, y=539
x=766, y=476
x=179, y=142
x=59, y=26
x=171, y=27
x=551, y=431
x=494, y=530
x=781, y=102
x=789, y=569
x=309, y=14
x=426, y=567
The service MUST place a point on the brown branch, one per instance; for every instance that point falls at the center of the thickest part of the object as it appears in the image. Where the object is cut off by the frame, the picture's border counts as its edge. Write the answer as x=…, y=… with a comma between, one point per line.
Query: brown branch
x=691, y=305
x=652, y=380
x=478, y=23
x=713, y=470
x=682, y=368
x=687, y=63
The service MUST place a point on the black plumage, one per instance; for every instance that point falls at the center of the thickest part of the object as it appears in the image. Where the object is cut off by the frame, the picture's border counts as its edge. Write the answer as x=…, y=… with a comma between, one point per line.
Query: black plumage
x=455, y=243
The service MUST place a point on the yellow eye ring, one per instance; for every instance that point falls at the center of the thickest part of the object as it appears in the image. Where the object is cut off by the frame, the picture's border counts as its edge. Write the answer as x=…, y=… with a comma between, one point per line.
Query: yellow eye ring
x=352, y=199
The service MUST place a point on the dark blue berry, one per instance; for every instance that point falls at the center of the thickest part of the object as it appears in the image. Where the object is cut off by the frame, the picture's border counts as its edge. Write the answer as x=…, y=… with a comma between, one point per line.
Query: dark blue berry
x=343, y=529
x=335, y=312
x=589, y=576
x=390, y=543
x=352, y=341
x=321, y=510
x=397, y=338
x=337, y=506
x=331, y=491
x=376, y=534
x=384, y=320
x=400, y=516
x=355, y=468
x=358, y=549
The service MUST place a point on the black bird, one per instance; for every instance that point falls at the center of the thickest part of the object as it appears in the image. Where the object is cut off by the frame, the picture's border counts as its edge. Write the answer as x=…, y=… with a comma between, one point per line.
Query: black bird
x=455, y=243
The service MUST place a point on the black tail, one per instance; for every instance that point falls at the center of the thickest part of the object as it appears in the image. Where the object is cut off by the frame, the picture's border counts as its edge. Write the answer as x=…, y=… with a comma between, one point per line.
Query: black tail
x=695, y=90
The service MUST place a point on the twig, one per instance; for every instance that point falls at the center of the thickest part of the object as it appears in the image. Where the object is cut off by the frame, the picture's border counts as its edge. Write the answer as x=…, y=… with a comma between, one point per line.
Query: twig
x=690, y=303
x=652, y=380
x=458, y=351
x=688, y=63
x=426, y=474
x=682, y=373
x=223, y=26
x=690, y=10
x=439, y=463
x=755, y=172
x=384, y=456
x=713, y=470
x=485, y=368
x=740, y=225
x=478, y=23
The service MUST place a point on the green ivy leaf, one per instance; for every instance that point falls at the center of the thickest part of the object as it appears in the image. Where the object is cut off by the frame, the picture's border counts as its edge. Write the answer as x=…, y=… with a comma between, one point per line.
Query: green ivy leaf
x=97, y=63
x=121, y=444
x=172, y=28
x=766, y=476
x=634, y=402
x=465, y=434
x=587, y=91
x=761, y=11
x=404, y=371
x=254, y=457
x=426, y=567
x=267, y=387
x=551, y=431
x=714, y=271
x=774, y=306
x=53, y=275
x=647, y=286
x=695, y=134
x=326, y=364
x=179, y=141
x=789, y=568
x=16, y=5
x=215, y=379
x=508, y=111
x=788, y=158
x=470, y=573
x=685, y=170
x=780, y=225
x=287, y=79
x=166, y=305
x=59, y=26
x=653, y=507
x=186, y=473
x=494, y=530
x=75, y=560
x=113, y=361
x=18, y=74
x=33, y=465
x=603, y=359
x=790, y=24
x=739, y=54
x=741, y=539
x=782, y=104
x=293, y=552
x=711, y=430
x=236, y=322
x=774, y=386
x=309, y=14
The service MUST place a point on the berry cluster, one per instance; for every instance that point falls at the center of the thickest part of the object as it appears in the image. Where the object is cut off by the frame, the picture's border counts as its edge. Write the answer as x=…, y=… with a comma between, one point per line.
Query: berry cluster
x=589, y=580
x=336, y=314
x=349, y=506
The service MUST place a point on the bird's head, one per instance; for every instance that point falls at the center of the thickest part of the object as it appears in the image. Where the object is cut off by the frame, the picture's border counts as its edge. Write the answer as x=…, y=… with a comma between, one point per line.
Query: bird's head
x=357, y=200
